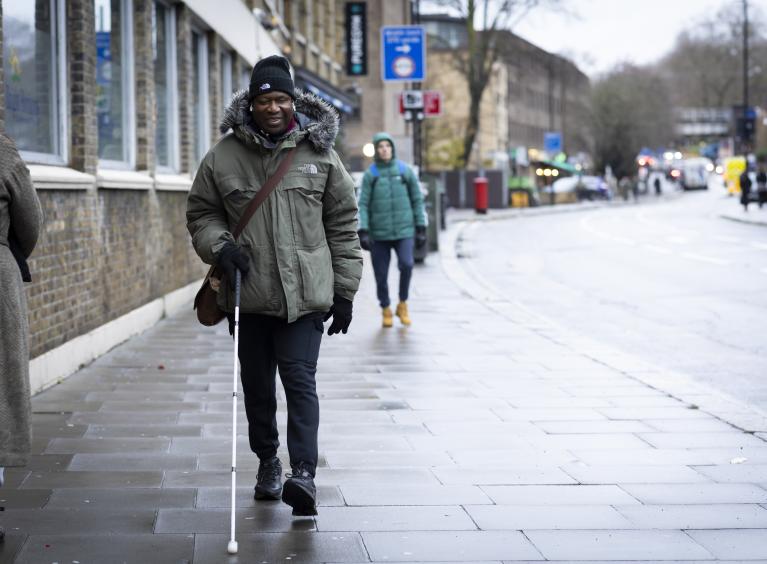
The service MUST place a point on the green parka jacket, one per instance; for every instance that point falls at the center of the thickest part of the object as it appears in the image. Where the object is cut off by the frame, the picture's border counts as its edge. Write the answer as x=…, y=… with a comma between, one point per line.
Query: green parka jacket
x=391, y=204
x=302, y=240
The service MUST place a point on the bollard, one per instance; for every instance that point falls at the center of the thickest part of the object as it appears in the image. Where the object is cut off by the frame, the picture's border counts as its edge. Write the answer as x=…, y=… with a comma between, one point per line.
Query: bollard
x=480, y=194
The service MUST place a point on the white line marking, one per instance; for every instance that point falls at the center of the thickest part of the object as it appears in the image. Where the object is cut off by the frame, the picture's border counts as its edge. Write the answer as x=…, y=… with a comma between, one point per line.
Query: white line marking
x=762, y=246
x=703, y=258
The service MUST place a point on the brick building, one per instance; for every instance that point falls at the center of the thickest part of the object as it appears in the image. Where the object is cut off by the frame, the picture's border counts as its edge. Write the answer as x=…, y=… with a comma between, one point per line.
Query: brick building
x=530, y=92
x=112, y=104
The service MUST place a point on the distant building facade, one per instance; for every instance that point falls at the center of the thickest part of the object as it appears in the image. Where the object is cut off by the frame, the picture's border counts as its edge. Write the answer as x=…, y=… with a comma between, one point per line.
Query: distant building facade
x=530, y=92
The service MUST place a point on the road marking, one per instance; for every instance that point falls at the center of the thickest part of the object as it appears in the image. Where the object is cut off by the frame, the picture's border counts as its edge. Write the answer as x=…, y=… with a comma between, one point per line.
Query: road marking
x=661, y=250
x=703, y=258
x=762, y=246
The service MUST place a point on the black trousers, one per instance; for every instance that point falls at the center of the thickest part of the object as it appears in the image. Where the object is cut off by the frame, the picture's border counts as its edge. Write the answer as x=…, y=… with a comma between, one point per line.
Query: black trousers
x=267, y=344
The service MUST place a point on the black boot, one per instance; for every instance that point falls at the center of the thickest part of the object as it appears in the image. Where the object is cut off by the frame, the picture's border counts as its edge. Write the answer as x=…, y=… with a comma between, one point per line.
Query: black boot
x=299, y=491
x=269, y=484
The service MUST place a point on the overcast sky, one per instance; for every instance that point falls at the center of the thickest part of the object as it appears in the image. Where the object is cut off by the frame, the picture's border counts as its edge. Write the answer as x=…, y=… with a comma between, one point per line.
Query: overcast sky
x=598, y=34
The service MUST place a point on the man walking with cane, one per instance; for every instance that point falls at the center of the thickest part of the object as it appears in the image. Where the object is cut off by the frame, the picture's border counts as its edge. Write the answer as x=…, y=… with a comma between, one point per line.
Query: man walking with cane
x=299, y=257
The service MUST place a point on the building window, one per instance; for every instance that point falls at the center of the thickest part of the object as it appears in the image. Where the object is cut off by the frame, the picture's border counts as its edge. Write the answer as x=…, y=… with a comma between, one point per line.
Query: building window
x=114, y=82
x=200, y=103
x=226, y=79
x=164, y=54
x=35, y=78
x=245, y=71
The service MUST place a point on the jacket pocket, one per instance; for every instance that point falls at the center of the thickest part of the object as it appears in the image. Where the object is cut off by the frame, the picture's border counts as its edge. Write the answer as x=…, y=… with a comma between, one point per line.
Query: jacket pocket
x=237, y=192
x=304, y=197
x=316, y=277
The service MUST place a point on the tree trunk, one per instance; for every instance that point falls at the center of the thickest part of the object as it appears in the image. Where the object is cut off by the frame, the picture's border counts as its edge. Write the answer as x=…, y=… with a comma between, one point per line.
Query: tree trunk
x=472, y=128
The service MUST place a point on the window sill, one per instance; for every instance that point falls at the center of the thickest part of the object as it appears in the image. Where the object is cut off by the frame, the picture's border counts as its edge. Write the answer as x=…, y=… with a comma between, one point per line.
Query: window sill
x=47, y=177
x=123, y=180
x=172, y=183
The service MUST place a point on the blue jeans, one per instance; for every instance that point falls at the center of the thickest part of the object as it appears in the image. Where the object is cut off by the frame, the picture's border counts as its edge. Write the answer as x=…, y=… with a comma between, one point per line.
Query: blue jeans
x=380, y=252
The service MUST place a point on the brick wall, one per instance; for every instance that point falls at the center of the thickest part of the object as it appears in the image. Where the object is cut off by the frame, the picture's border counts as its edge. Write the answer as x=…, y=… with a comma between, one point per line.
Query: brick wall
x=184, y=64
x=81, y=35
x=90, y=266
x=145, y=88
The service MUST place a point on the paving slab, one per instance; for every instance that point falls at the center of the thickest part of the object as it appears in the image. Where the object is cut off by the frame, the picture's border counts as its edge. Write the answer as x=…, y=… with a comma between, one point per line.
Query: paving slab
x=402, y=518
x=739, y=473
x=733, y=544
x=694, y=494
x=449, y=546
x=294, y=547
x=634, y=474
x=92, y=479
x=722, y=516
x=117, y=462
x=107, y=549
x=560, y=495
x=519, y=517
x=261, y=518
x=414, y=495
x=502, y=476
x=73, y=520
x=122, y=498
x=617, y=545
x=25, y=499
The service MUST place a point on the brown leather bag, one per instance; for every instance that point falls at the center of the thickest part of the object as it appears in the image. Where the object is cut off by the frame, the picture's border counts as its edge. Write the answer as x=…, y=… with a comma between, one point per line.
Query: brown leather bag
x=205, y=302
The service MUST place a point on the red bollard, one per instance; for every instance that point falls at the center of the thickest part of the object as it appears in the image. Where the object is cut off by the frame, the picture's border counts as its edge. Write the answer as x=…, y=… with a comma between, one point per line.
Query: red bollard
x=480, y=194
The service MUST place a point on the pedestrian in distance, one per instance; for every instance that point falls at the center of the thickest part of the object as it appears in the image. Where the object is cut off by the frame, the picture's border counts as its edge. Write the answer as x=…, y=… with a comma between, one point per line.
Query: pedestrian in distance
x=299, y=257
x=761, y=186
x=391, y=217
x=20, y=224
x=745, y=189
x=656, y=185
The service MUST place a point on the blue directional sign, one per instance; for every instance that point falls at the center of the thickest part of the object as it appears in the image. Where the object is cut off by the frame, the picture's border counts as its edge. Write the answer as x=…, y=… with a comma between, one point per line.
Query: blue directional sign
x=552, y=141
x=403, y=53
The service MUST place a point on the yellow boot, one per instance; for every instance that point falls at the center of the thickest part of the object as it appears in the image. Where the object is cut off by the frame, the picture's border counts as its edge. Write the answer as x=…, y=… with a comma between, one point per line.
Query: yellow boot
x=388, y=319
x=402, y=313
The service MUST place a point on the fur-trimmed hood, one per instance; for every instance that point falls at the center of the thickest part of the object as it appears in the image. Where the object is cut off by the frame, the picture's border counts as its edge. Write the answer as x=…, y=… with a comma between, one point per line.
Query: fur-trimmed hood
x=318, y=119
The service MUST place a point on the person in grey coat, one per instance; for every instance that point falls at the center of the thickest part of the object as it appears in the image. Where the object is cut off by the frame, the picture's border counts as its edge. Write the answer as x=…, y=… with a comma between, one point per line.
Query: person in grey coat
x=20, y=224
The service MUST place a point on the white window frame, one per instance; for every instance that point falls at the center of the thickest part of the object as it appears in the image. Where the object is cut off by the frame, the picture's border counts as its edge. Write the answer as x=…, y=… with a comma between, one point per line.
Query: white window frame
x=226, y=78
x=174, y=153
x=129, y=92
x=59, y=100
x=203, y=124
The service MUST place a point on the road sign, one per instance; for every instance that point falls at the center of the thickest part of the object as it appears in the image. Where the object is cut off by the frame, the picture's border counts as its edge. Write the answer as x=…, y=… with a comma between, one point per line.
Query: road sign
x=431, y=103
x=403, y=53
x=552, y=142
x=412, y=100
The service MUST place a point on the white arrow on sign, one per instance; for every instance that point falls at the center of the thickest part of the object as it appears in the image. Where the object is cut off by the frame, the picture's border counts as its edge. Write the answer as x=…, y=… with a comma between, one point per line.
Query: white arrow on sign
x=403, y=48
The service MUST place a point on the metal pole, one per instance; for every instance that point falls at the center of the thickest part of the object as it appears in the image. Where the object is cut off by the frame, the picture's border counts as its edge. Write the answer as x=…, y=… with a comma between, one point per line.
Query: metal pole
x=745, y=55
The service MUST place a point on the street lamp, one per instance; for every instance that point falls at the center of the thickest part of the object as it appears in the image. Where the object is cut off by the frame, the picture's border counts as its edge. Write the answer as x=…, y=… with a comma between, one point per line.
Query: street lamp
x=368, y=150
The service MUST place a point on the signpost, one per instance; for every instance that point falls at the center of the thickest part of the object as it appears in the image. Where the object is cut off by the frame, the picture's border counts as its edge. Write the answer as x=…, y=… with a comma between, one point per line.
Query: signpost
x=403, y=53
x=429, y=101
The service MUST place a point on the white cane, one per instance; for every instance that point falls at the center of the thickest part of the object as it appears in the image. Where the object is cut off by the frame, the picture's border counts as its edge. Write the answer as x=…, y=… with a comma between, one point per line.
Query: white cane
x=232, y=547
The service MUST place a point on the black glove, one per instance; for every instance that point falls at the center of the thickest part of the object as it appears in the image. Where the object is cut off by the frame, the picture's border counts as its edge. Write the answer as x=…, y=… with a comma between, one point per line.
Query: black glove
x=341, y=311
x=364, y=239
x=230, y=258
x=420, y=236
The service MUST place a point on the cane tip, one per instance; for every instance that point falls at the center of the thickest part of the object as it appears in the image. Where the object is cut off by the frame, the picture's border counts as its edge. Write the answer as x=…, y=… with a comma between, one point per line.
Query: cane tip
x=232, y=547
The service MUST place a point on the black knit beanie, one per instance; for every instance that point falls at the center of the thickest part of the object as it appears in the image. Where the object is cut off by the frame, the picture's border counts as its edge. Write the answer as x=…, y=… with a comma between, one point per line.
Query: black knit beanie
x=269, y=74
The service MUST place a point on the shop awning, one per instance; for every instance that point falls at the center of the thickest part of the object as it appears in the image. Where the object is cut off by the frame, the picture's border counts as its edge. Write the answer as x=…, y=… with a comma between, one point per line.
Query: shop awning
x=342, y=101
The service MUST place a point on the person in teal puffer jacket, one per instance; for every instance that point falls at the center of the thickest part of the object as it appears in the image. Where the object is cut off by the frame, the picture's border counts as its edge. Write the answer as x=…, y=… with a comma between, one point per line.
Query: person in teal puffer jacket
x=391, y=216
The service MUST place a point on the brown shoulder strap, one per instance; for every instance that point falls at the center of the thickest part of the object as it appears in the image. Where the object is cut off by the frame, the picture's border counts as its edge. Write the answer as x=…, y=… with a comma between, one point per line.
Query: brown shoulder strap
x=264, y=192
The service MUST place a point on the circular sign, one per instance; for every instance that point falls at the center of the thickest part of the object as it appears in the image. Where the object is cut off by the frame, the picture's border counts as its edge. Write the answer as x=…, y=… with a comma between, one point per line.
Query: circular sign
x=403, y=66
